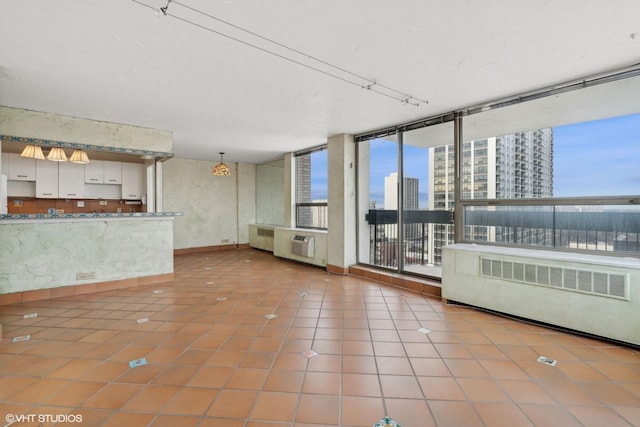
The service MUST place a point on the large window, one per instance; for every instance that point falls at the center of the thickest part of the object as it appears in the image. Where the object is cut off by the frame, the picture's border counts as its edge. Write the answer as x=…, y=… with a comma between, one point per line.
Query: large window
x=561, y=172
x=312, y=189
x=558, y=171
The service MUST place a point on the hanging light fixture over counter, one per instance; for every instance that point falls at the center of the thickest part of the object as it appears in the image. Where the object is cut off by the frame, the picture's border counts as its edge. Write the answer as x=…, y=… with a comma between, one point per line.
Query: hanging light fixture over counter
x=221, y=169
x=56, y=154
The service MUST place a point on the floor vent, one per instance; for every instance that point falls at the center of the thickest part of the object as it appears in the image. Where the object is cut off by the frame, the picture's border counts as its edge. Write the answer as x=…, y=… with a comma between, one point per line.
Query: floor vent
x=603, y=283
x=264, y=232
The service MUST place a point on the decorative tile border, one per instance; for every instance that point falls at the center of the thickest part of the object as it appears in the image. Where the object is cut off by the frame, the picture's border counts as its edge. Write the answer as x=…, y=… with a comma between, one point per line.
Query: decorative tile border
x=91, y=215
x=78, y=146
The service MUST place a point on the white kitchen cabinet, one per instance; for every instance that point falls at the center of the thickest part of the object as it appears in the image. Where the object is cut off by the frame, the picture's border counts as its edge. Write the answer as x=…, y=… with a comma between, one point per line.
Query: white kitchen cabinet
x=21, y=168
x=103, y=172
x=70, y=181
x=94, y=172
x=112, y=172
x=132, y=181
x=46, y=179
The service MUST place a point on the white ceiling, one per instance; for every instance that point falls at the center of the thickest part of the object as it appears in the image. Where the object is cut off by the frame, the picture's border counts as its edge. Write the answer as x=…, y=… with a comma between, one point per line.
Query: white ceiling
x=120, y=61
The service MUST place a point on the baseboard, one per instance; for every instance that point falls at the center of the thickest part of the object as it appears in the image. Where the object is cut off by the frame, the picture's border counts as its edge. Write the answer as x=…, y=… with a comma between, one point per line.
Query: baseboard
x=422, y=286
x=200, y=249
x=89, y=288
x=337, y=270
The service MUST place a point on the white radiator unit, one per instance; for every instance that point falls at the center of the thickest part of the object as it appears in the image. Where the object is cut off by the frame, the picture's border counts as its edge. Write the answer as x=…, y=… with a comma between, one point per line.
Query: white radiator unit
x=302, y=245
x=261, y=236
x=595, y=294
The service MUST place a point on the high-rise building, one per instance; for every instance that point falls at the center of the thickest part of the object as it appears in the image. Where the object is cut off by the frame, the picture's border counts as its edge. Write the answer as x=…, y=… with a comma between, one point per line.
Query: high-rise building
x=513, y=166
x=410, y=192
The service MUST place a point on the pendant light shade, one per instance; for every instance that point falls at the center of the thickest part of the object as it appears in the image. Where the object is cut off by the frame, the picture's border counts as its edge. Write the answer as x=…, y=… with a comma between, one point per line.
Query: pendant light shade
x=32, y=152
x=79, y=156
x=57, y=154
x=221, y=169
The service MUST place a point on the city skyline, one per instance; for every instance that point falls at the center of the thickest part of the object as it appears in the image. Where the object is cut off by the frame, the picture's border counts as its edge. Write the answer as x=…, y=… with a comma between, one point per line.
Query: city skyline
x=595, y=158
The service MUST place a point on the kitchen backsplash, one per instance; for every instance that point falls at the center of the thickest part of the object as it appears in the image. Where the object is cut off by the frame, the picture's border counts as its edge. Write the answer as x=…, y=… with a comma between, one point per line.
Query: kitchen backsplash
x=17, y=205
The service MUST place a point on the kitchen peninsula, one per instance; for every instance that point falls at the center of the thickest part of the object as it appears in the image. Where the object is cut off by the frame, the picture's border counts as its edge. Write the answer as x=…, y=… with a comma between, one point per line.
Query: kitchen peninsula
x=98, y=236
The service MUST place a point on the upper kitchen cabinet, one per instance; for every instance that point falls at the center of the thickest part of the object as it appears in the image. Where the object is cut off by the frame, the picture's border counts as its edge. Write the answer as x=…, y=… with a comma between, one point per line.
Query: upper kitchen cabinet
x=132, y=181
x=112, y=172
x=46, y=179
x=94, y=172
x=20, y=168
x=70, y=181
x=103, y=172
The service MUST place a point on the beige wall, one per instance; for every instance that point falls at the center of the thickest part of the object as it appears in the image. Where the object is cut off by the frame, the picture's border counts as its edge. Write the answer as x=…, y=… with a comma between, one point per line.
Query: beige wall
x=217, y=209
x=269, y=193
x=35, y=124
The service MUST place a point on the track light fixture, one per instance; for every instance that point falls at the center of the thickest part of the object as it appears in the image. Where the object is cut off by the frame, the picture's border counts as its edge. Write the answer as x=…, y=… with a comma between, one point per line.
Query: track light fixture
x=164, y=9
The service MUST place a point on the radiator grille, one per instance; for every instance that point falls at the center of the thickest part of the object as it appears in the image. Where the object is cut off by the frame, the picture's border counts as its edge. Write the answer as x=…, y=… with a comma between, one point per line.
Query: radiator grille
x=265, y=232
x=603, y=283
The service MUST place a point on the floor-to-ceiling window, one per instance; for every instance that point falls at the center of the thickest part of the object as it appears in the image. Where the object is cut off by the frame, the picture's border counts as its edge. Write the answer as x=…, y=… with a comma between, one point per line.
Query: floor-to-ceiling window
x=402, y=222
x=557, y=171
x=378, y=201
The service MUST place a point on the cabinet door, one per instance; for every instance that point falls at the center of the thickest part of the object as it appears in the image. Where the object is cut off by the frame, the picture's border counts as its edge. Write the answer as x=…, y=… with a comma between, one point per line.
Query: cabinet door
x=46, y=179
x=71, y=181
x=112, y=172
x=21, y=168
x=94, y=172
x=132, y=183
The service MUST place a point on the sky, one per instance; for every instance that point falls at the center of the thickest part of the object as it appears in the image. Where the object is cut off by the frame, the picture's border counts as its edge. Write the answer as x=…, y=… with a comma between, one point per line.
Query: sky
x=596, y=158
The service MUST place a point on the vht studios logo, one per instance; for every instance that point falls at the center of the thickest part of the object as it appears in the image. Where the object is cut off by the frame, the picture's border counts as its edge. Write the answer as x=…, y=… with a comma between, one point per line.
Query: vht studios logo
x=43, y=418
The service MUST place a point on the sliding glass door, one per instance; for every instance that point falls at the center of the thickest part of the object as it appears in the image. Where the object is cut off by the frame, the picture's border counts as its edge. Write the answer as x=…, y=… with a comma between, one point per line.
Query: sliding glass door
x=404, y=216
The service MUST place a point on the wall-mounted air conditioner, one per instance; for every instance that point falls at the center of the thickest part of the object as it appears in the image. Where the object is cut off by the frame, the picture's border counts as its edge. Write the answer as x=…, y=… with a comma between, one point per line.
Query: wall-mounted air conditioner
x=302, y=245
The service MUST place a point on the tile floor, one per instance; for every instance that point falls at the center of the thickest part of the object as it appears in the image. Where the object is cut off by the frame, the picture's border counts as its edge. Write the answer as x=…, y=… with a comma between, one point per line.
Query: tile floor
x=214, y=359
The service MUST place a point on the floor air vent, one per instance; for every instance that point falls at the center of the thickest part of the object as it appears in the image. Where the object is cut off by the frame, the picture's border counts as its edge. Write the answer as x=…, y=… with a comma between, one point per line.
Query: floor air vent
x=302, y=245
x=610, y=284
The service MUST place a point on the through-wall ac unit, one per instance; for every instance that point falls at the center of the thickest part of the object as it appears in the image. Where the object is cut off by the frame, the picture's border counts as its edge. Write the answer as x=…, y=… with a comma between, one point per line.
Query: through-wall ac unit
x=303, y=245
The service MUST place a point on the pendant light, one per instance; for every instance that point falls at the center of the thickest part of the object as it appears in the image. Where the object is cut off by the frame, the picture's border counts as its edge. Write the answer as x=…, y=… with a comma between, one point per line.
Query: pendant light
x=57, y=154
x=79, y=156
x=221, y=169
x=32, y=152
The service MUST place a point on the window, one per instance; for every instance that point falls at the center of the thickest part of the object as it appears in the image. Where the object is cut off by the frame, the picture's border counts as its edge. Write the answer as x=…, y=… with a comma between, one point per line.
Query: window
x=312, y=189
x=575, y=168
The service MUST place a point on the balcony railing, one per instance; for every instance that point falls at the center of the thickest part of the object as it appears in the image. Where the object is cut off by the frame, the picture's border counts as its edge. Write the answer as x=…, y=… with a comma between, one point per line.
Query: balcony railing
x=566, y=225
x=418, y=226
x=582, y=227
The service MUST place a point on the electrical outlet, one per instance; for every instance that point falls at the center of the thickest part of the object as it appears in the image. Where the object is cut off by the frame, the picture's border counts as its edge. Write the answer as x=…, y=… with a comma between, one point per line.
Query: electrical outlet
x=103, y=203
x=224, y=241
x=86, y=276
x=81, y=203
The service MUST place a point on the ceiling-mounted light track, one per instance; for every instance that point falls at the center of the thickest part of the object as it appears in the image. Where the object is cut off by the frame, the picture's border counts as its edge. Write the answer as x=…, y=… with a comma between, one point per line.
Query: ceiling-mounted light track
x=165, y=8
x=346, y=77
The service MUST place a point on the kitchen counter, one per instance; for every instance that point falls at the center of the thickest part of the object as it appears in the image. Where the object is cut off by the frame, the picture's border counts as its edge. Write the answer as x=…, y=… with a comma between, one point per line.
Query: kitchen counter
x=44, y=255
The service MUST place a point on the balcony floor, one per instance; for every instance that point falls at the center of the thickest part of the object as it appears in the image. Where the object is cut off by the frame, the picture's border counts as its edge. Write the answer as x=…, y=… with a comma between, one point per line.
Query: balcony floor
x=214, y=359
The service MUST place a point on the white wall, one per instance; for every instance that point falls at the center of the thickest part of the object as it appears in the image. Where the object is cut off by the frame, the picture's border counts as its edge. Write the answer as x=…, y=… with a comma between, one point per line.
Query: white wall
x=270, y=206
x=217, y=209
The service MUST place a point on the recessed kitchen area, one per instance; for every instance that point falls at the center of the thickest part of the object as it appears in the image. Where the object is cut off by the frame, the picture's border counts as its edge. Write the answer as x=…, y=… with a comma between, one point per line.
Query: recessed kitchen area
x=109, y=183
x=80, y=181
